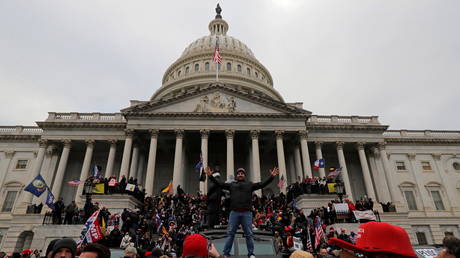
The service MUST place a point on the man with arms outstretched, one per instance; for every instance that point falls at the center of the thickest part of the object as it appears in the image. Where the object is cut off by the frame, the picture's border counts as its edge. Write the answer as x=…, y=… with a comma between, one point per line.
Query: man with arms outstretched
x=240, y=206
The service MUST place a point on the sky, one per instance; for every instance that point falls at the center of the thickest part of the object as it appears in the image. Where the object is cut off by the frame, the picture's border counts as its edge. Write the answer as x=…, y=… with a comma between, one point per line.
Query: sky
x=399, y=60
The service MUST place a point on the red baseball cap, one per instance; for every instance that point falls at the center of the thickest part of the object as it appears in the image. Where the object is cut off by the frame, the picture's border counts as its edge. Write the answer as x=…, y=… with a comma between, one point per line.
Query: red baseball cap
x=379, y=237
x=195, y=244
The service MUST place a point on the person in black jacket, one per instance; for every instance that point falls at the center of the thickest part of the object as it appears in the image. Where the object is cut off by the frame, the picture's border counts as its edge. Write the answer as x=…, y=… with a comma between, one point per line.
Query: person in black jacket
x=240, y=206
x=214, y=202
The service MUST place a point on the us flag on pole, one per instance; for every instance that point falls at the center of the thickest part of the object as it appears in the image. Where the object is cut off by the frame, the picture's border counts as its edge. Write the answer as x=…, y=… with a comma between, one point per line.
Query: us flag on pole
x=217, y=57
x=319, y=233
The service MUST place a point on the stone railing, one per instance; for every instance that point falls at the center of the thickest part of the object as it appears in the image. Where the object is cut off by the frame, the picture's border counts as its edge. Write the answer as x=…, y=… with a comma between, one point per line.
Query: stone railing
x=319, y=119
x=85, y=117
x=20, y=130
x=422, y=134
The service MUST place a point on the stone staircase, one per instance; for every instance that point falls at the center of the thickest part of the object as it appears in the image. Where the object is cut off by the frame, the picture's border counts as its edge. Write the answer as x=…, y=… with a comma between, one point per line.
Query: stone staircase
x=308, y=202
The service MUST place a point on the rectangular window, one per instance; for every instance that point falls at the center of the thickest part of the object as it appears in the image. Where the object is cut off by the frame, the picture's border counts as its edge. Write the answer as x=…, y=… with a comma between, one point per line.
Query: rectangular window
x=426, y=166
x=9, y=201
x=410, y=198
x=21, y=164
x=400, y=165
x=421, y=238
x=437, y=200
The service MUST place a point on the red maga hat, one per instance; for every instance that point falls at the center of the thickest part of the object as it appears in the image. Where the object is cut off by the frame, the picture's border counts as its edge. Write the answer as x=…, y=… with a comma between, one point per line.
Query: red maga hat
x=195, y=244
x=379, y=237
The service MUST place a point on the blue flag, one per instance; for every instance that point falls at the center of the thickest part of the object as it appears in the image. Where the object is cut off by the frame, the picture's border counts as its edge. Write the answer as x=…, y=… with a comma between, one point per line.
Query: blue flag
x=199, y=165
x=50, y=199
x=37, y=186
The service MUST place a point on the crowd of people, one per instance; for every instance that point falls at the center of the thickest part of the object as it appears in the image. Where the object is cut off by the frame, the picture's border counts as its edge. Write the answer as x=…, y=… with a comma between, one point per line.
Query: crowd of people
x=163, y=222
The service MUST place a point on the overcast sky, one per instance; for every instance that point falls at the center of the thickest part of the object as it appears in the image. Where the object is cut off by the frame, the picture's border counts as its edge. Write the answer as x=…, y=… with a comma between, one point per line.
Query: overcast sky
x=399, y=60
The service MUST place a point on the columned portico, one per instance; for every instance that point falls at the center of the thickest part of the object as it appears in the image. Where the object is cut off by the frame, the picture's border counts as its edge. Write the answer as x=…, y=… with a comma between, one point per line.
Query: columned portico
x=57, y=185
x=37, y=166
x=111, y=158
x=255, y=158
x=204, y=154
x=281, y=159
x=229, y=134
x=387, y=172
x=366, y=173
x=305, y=154
x=150, y=176
x=126, y=154
x=298, y=163
x=319, y=155
x=85, y=169
x=343, y=165
x=177, y=172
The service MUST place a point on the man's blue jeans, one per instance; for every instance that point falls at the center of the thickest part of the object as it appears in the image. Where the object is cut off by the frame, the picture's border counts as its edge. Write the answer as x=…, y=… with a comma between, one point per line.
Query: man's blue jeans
x=237, y=218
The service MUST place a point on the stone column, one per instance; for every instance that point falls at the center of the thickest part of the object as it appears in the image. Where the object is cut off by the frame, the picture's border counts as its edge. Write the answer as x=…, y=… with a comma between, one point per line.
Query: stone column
x=36, y=169
x=134, y=161
x=256, y=159
x=366, y=173
x=305, y=154
x=388, y=171
x=126, y=154
x=204, y=155
x=85, y=169
x=6, y=164
x=343, y=165
x=177, y=173
x=111, y=158
x=230, y=162
x=319, y=155
x=298, y=163
x=150, y=177
x=57, y=185
x=281, y=159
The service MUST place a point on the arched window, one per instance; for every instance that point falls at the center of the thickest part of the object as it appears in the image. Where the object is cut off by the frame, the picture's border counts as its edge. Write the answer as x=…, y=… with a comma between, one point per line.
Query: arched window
x=239, y=68
x=248, y=70
x=257, y=75
x=206, y=66
x=178, y=73
x=187, y=70
x=197, y=67
x=229, y=67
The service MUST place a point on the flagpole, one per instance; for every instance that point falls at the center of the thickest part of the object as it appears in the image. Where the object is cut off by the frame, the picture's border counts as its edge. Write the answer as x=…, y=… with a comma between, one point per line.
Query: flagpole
x=217, y=63
x=217, y=72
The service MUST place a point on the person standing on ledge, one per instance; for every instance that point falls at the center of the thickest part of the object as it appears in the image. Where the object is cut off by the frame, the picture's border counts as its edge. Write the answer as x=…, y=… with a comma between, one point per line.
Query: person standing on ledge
x=240, y=206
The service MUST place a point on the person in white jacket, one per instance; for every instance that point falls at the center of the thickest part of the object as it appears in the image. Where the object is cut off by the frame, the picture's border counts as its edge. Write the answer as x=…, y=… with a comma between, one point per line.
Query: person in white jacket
x=125, y=241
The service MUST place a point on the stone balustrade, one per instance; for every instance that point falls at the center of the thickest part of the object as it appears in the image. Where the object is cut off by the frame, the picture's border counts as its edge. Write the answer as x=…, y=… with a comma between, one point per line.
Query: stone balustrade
x=20, y=130
x=319, y=119
x=422, y=134
x=85, y=117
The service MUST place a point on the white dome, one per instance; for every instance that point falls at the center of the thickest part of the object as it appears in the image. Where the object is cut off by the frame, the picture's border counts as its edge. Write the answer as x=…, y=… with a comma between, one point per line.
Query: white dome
x=195, y=67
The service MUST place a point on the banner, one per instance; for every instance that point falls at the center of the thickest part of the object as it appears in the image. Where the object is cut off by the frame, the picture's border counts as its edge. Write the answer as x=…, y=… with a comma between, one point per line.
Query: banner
x=130, y=187
x=298, y=243
x=341, y=210
x=113, y=182
x=50, y=200
x=92, y=230
x=99, y=188
x=367, y=215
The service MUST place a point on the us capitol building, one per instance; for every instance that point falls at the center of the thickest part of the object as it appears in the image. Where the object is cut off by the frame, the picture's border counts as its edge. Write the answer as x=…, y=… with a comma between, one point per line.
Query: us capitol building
x=239, y=120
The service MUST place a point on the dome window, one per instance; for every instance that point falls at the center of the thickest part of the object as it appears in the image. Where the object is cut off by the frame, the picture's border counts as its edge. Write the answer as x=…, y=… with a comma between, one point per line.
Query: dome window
x=257, y=75
x=187, y=69
x=239, y=68
x=229, y=67
x=248, y=70
x=206, y=66
x=178, y=73
x=197, y=67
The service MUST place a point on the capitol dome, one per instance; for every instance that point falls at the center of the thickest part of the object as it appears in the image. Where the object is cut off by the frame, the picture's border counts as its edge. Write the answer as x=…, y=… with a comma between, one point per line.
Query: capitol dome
x=195, y=67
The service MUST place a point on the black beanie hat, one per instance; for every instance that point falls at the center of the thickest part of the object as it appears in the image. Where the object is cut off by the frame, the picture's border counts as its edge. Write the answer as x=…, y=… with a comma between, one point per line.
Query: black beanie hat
x=50, y=247
x=65, y=243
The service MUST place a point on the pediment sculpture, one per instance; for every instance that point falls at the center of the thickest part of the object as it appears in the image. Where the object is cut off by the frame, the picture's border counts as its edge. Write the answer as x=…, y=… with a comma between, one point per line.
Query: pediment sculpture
x=216, y=103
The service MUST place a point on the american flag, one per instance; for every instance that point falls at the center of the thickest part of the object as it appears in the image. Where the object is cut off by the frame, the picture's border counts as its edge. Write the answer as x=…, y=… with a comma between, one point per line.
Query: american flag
x=217, y=57
x=309, y=247
x=319, y=233
x=75, y=182
x=282, y=182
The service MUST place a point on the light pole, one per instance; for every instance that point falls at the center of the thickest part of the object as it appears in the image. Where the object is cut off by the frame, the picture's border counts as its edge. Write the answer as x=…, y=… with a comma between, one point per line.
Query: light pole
x=340, y=189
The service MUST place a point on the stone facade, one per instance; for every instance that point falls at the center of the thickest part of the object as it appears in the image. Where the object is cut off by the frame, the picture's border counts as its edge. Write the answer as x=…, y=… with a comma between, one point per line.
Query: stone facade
x=238, y=121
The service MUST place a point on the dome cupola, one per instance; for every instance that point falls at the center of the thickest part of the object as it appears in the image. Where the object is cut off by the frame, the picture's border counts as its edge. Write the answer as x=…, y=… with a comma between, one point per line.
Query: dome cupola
x=195, y=67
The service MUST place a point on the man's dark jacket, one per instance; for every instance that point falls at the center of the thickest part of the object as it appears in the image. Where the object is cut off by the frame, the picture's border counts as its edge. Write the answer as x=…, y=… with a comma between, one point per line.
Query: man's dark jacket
x=241, y=192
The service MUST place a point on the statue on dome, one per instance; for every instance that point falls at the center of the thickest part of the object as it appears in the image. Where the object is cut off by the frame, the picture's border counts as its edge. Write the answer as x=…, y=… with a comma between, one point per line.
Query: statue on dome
x=218, y=11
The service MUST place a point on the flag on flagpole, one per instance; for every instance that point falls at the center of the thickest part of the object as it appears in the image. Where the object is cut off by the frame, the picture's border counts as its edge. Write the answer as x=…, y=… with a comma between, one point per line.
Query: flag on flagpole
x=309, y=247
x=92, y=230
x=75, y=182
x=96, y=171
x=37, y=187
x=282, y=182
x=217, y=58
x=319, y=233
x=168, y=189
x=335, y=173
x=319, y=163
x=50, y=199
x=199, y=168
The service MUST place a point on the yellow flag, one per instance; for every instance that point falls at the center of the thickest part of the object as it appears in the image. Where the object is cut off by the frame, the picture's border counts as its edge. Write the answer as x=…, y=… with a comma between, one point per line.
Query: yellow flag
x=98, y=189
x=331, y=187
x=167, y=188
